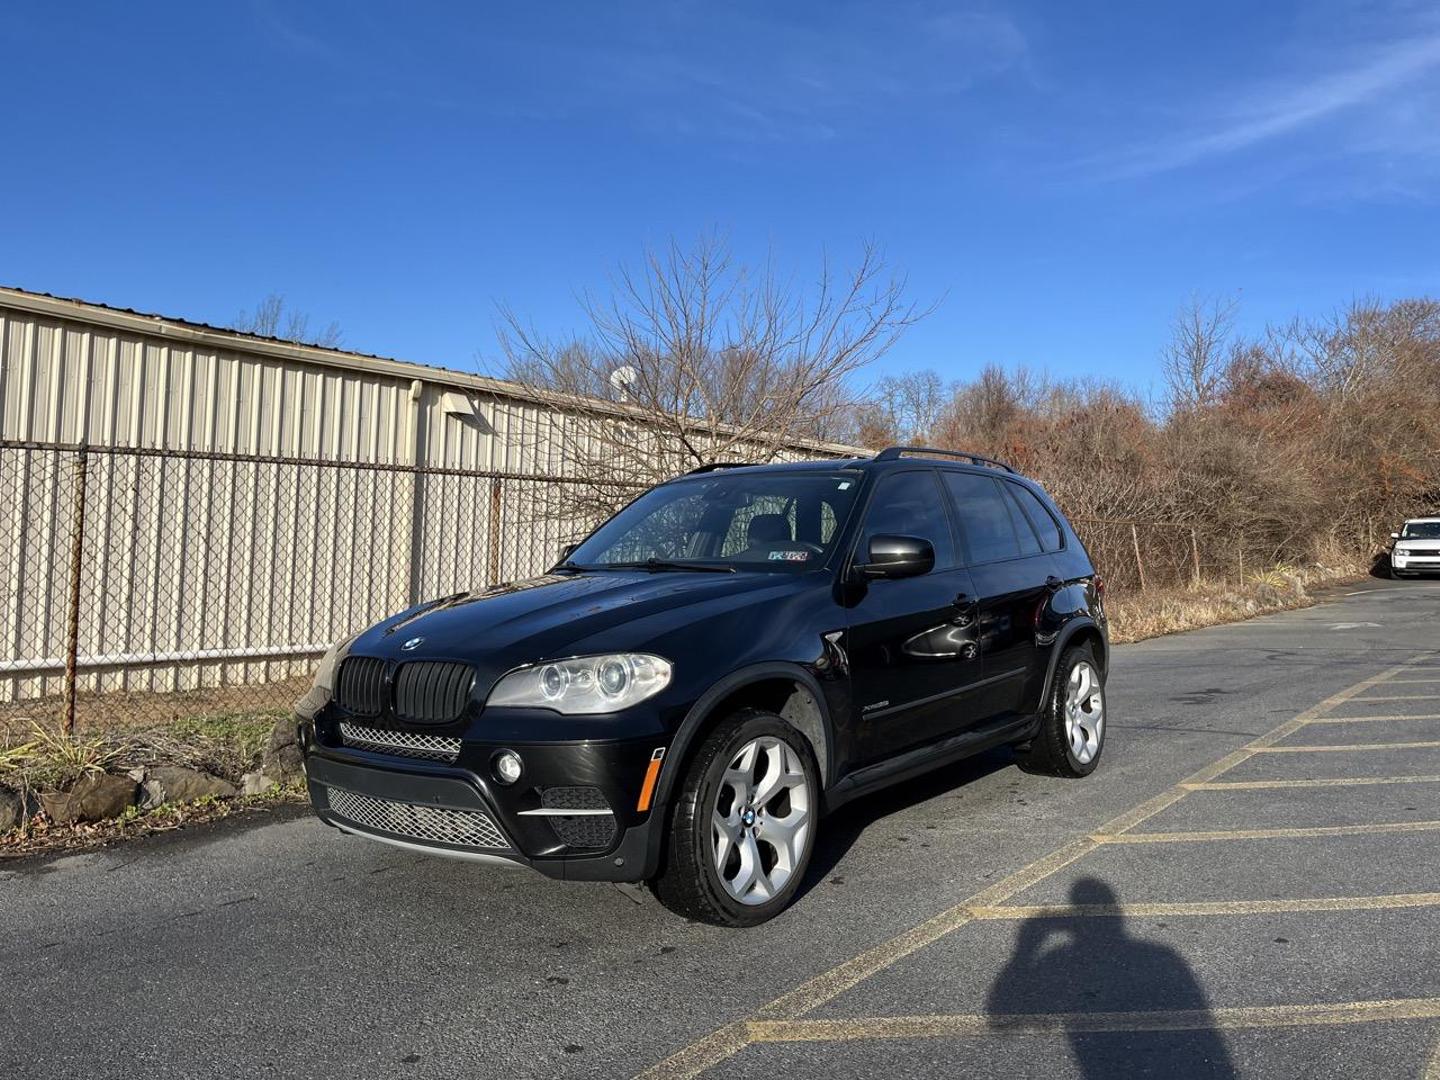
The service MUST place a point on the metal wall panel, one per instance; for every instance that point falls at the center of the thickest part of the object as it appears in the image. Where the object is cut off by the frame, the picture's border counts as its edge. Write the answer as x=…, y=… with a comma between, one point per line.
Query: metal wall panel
x=199, y=571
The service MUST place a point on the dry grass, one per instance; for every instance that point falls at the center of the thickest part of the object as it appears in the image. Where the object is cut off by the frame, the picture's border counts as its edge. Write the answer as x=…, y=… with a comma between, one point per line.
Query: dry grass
x=1136, y=615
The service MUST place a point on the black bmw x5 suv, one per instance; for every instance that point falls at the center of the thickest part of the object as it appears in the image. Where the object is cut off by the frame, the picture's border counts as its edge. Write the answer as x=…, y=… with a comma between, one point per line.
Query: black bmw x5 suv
x=733, y=655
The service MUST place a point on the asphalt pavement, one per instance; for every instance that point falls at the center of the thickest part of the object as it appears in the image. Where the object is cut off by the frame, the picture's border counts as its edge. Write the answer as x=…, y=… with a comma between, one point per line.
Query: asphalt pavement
x=1248, y=886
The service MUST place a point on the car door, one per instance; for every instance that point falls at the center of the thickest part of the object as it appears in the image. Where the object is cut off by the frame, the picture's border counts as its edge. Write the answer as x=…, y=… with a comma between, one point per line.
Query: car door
x=912, y=644
x=1012, y=576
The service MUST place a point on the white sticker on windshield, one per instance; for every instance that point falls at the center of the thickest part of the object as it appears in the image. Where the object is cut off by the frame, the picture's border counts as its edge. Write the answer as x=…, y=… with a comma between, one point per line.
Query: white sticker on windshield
x=844, y=484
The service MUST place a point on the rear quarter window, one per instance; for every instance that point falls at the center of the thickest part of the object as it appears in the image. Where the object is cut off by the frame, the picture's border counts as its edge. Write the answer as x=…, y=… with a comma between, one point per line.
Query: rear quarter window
x=1046, y=527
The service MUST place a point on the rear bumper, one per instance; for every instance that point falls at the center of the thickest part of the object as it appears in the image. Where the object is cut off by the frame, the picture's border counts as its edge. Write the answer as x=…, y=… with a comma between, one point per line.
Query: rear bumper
x=461, y=812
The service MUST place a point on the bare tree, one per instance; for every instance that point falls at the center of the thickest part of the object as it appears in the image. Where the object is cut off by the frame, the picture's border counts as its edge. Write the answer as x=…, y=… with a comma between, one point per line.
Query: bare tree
x=694, y=359
x=271, y=318
x=1197, y=353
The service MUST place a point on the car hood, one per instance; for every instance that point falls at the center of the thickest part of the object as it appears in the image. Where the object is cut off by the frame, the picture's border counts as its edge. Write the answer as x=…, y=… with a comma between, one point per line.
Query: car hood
x=543, y=618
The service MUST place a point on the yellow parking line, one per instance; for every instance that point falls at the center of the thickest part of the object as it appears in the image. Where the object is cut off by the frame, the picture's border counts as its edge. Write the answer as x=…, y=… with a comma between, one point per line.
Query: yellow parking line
x=972, y=1025
x=1370, y=719
x=1268, y=834
x=1393, y=697
x=1413, y=682
x=709, y=1051
x=1205, y=907
x=1333, y=781
x=1352, y=746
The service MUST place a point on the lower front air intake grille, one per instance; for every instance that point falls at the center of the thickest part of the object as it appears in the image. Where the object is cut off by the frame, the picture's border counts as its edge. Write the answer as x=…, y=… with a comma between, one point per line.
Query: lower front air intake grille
x=433, y=824
x=593, y=827
x=411, y=744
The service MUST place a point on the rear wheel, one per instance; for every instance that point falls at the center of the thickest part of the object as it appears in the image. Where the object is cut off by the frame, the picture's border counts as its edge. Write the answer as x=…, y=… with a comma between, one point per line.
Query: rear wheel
x=742, y=825
x=1072, y=725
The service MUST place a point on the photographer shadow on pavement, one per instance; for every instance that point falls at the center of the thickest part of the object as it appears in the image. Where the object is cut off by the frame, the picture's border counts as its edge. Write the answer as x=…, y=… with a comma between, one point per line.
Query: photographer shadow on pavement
x=1090, y=964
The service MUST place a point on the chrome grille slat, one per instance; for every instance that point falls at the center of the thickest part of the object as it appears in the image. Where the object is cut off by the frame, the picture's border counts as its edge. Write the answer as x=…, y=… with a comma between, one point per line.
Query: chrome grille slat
x=436, y=824
x=405, y=743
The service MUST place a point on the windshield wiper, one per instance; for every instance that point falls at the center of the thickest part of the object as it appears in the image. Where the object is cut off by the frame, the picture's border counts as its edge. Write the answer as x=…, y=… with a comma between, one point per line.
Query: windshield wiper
x=653, y=563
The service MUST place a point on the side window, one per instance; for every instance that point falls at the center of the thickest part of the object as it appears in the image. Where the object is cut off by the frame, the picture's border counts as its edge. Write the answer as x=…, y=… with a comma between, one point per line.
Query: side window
x=984, y=513
x=908, y=504
x=1040, y=516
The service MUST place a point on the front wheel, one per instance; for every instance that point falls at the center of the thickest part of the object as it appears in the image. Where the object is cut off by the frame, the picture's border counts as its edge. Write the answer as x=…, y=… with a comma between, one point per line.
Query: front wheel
x=742, y=825
x=1072, y=725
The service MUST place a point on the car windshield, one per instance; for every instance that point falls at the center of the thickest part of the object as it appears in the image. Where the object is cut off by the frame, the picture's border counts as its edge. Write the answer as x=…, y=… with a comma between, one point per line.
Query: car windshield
x=782, y=522
x=1421, y=530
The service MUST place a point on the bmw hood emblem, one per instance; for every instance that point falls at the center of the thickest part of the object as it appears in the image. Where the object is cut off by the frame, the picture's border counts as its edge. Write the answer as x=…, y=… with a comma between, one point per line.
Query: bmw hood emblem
x=413, y=644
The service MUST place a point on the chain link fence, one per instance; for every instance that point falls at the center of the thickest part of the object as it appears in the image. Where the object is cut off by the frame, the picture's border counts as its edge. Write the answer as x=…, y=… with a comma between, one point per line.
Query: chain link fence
x=145, y=586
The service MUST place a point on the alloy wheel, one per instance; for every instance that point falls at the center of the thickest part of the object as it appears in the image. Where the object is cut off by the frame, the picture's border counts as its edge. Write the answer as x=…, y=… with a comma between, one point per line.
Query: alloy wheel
x=761, y=820
x=1084, y=712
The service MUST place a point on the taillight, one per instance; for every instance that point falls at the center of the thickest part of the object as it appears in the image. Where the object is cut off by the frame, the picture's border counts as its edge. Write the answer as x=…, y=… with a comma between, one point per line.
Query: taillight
x=1099, y=586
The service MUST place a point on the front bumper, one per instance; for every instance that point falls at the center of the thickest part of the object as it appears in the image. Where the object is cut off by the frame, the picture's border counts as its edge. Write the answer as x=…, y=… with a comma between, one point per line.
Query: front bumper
x=1414, y=563
x=595, y=833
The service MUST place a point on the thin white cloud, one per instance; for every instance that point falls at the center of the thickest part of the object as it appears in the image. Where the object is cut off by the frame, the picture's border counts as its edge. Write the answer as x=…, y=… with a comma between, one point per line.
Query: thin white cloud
x=1304, y=104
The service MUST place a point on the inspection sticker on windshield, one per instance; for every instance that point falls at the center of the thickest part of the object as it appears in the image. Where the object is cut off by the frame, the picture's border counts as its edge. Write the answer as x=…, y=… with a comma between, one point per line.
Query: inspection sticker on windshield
x=843, y=485
x=789, y=556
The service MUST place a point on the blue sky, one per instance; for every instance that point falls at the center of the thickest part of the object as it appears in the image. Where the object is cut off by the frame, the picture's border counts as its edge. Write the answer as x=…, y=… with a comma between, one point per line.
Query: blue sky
x=1061, y=177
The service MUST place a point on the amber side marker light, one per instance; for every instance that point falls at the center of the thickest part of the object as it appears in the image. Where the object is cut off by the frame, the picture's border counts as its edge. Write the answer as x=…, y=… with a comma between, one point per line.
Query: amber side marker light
x=652, y=773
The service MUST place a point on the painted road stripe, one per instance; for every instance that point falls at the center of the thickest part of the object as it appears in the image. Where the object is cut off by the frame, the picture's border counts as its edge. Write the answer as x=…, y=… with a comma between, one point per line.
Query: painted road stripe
x=1371, y=719
x=1334, y=781
x=1392, y=697
x=1267, y=834
x=1353, y=746
x=1205, y=907
x=972, y=1025
x=709, y=1051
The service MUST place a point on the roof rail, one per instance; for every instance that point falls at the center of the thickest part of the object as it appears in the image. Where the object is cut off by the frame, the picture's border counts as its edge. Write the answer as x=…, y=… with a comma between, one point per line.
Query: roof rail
x=891, y=453
x=714, y=466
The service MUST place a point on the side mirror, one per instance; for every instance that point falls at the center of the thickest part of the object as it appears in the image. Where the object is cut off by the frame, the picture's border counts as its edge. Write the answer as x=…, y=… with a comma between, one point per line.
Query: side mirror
x=1394, y=536
x=898, y=557
x=567, y=551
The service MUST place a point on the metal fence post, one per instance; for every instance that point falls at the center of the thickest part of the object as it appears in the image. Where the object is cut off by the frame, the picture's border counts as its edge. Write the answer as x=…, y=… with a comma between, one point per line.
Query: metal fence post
x=1195, y=552
x=1139, y=562
x=492, y=537
x=77, y=551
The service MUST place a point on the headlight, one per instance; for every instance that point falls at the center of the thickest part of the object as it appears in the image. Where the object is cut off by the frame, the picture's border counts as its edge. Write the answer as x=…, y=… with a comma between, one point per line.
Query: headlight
x=585, y=684
x=325, y=673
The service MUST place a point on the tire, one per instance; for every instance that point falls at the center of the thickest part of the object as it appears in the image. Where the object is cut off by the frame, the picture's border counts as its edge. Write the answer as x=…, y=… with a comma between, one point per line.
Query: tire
x=741, y=876
x=1072, y=725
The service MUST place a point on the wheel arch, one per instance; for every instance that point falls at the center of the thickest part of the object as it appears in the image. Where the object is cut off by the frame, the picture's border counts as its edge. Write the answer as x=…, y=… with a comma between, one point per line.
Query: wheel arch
x=1082, y=630
x=787, y=690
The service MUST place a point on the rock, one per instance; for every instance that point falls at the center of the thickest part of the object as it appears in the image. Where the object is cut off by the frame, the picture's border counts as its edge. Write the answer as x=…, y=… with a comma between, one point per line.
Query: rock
x=256, y=783
x=94, y=797
x=282, y=759
x=174, y=783
x=12, y=809
x=152, y=795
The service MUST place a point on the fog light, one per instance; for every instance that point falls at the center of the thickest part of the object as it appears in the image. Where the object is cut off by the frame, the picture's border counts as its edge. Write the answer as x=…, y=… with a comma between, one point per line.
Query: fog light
x=507, y=766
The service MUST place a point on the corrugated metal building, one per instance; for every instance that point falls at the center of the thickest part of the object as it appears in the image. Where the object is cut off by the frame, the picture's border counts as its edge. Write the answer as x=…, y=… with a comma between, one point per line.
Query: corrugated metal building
x=243, y=501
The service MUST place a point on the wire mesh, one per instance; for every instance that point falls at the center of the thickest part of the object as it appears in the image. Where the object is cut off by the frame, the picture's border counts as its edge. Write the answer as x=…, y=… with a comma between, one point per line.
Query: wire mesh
x=144, y=586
